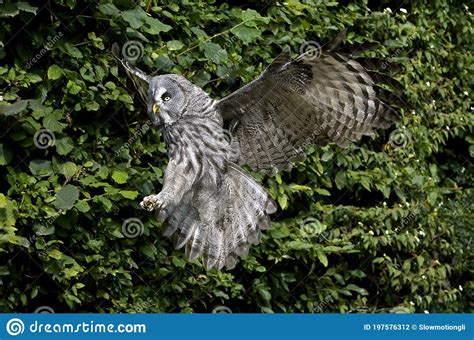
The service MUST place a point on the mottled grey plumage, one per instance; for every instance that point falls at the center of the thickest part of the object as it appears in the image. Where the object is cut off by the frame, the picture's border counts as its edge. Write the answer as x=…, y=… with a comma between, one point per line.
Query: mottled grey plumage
x=215, y=208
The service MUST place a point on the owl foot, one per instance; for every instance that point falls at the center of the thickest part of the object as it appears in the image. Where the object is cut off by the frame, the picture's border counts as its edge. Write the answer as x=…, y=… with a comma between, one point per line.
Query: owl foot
x=152, y=202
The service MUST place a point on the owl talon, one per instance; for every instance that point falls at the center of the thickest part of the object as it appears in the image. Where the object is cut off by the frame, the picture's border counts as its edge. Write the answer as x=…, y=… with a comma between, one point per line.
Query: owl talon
x=151, y=203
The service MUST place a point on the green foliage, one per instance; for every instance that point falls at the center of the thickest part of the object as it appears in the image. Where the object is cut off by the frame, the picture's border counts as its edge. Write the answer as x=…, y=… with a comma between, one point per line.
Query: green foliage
x=372, y=228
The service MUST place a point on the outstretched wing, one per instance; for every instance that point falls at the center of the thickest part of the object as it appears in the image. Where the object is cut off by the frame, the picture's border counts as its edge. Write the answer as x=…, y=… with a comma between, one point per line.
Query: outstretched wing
x=316, y=99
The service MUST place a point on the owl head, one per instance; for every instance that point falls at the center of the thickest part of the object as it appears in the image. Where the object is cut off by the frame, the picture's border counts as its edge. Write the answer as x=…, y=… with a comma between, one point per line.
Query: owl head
x=168, y=98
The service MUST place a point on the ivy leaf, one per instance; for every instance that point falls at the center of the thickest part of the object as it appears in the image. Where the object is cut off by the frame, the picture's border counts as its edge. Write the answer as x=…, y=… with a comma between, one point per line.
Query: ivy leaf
x=52, y=121
x=72, y=87
x=109, y=9
x=283, y=201
x=133, y=17
x=54, y=72
x=13, y=109
x=246, y=34
x=68, y=169
x=64, y=145
x=55, y=254
x=82, y=206
x=7, y=211
x=45, y=231
x=178, y=262
x=322, y=192
x=66, y=197
x=365, y=183
x=174, y=45
x=340, y=180
x=214, y=52
x=26, y=7
x=72, y=50
x=420, y=260
x=327, y=156
x=72, y=272
x=280, y=232
x=129, y=194
x=201, y=78
x=5, y=155
x=357, y=289
x=199, y=33
x=323, y=259
x=155, y=26
x=138, y=18
x=120, y=176
x=11, y=10
x=250, y=17
x=299, y=245
x=149, y=250
x=265, y=294
x=41, y=167
x=92, y=106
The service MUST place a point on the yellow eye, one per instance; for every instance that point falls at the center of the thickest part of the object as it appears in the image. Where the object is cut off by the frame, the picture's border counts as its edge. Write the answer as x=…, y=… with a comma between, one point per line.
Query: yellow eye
x=166, y=97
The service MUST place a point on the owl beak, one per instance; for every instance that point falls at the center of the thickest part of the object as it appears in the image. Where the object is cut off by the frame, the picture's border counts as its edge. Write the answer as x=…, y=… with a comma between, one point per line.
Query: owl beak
x=156, y=108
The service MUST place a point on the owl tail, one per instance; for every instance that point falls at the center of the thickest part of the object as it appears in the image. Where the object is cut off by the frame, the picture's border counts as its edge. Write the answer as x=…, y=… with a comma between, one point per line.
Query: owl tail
x=221, y=219
x=245, y=215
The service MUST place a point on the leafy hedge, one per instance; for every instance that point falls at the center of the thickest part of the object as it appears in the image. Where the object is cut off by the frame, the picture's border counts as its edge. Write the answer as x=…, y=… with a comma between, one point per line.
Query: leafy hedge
x=385, y=225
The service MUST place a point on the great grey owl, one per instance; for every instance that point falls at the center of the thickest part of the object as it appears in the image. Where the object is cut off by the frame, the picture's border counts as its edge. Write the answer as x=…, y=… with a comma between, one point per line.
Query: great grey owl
x=213, y=206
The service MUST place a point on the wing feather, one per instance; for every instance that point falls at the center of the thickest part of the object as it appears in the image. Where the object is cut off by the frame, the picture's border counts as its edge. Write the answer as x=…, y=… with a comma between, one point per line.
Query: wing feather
x=333, y=98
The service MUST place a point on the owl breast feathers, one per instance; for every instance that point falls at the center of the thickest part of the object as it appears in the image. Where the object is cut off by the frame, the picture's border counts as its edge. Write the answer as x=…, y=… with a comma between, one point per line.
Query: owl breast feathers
x=214, y=208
